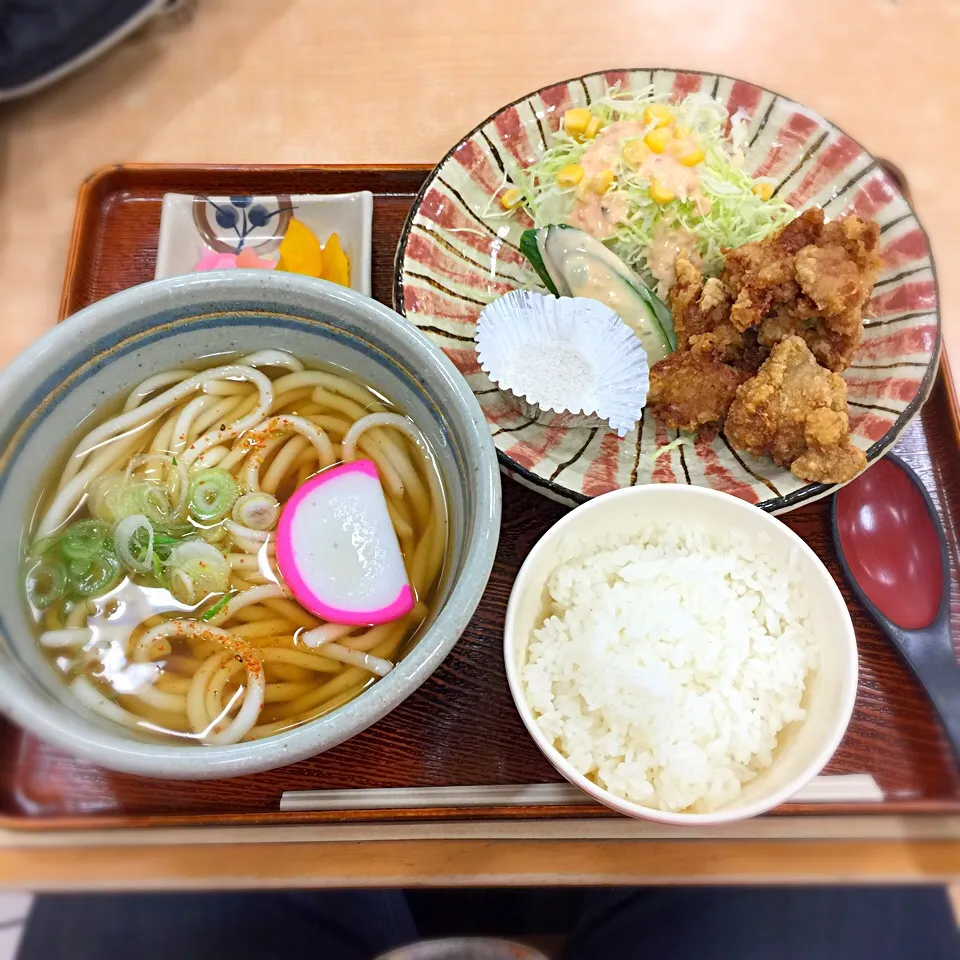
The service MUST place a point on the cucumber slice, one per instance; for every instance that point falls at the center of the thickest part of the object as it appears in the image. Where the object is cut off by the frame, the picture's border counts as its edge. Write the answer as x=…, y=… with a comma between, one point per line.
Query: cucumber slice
x=574, y=264
x=530, y=249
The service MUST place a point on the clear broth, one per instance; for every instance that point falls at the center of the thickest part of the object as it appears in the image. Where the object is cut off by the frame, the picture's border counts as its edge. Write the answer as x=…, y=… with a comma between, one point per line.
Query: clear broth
x=152, y=693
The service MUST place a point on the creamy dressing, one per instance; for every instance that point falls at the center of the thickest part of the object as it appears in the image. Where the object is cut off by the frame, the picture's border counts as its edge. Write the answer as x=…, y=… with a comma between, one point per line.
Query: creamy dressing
x=662, y=255
x=600, y=214
x=606, y=151
x=680, y=180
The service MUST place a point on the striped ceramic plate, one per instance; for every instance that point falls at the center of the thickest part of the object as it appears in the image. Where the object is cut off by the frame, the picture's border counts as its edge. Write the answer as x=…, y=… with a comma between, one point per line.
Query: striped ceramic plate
x=454, y=258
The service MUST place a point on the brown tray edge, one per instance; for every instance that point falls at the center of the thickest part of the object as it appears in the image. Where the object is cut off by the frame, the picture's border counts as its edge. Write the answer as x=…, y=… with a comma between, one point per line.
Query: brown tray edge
x=491, y=815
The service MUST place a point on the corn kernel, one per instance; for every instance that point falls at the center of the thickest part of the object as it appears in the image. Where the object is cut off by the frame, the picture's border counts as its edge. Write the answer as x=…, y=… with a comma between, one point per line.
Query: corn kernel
x=763, y=190
x=570, y=175
x=682, y=132
x=583, y=191
x=593, y=128
x=576, y=120
x=657, y=140
x=601, y=182
x=658, y=114
x=511, y=198
x=659, y=193
x=692, y=158
x=635, y=152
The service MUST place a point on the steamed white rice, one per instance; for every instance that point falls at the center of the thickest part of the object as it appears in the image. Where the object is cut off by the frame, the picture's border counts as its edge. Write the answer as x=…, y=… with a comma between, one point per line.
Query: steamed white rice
x=670, y=663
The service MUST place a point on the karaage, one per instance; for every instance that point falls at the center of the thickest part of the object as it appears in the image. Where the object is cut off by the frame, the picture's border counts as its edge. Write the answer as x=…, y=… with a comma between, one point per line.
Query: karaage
x=810, y=280
x=760, y=347
x=690, y=390
x=796, y=411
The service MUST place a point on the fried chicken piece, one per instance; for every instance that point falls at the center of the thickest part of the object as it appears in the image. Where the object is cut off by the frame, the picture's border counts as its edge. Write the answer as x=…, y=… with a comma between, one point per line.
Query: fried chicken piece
x=752, y=354
x=692, y=389
x=833, y=348
x=701, y=316
x=830, y=278
x=697, y=306
x=761, y=275
x=810, y=280
x=861, y=240
x=742, y=351
x=836, y=465
x=796, y=412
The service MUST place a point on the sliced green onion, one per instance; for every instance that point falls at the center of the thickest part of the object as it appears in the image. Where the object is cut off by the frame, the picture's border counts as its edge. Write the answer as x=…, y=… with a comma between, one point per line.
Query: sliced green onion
x=214, y=534
x=218, y=606
x=41, y=546
x=173, y=532
x=258, y=511
x=181, y=586
x=114, y=497
x=195, y=569
x=153, y=500
x=161, y=541
x=85, y=540
x=133, y=541
x=212, y=494
x=90, y=578
x=46, y=582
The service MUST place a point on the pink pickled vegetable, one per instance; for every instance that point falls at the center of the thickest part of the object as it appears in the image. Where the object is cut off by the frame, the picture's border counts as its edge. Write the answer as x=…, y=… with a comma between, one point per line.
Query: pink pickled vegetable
x=246, y=259
x=337, y=549
x=216, y=261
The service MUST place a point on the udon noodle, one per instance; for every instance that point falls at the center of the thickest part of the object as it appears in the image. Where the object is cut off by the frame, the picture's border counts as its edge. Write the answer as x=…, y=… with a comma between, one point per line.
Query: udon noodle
x=152, y=574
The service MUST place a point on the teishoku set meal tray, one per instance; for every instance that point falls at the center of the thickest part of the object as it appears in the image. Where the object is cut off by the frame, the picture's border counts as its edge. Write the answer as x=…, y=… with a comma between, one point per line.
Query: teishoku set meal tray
x=456, y=749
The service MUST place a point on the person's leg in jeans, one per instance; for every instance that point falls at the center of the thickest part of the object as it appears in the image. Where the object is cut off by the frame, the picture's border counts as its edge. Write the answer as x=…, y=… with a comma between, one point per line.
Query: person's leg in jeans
x=328, y=925
x=780, y=923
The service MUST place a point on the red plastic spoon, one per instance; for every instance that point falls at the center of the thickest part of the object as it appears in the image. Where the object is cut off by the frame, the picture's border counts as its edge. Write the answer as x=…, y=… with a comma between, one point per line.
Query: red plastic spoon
x=894, y=554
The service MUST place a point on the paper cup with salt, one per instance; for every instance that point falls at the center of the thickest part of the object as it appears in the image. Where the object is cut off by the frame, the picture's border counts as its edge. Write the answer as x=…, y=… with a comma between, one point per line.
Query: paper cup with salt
x=564, y=360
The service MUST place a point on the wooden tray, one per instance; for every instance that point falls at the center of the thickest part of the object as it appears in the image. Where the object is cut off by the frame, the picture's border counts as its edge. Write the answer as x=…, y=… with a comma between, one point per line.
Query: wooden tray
x=460, y=728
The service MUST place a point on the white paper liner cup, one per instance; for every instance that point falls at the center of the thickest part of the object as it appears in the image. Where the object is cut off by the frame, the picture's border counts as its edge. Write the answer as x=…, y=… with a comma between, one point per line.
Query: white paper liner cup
x=565, y=360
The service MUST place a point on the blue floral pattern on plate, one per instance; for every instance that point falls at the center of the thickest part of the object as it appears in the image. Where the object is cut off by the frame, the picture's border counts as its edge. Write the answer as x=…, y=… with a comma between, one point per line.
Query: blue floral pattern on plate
x=257, y=223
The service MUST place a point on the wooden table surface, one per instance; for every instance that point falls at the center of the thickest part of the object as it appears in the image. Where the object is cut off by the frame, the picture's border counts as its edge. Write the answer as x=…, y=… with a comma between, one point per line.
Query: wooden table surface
x=346, y=81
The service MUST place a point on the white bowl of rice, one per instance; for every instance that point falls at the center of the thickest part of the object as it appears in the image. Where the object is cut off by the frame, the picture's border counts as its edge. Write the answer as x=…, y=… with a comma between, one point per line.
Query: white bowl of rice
x=680, y=655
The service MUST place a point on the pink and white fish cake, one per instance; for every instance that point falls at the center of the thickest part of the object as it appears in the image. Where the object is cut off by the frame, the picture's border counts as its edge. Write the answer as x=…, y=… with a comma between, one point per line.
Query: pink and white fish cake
x=337, y=549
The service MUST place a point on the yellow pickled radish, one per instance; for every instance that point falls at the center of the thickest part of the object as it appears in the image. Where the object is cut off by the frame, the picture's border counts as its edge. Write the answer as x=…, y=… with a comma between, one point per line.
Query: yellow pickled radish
x=300, y=251
x=336, y=264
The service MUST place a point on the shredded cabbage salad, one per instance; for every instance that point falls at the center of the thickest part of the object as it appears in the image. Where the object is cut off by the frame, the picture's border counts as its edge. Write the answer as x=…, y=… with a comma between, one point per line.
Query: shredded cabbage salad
x=735, y=215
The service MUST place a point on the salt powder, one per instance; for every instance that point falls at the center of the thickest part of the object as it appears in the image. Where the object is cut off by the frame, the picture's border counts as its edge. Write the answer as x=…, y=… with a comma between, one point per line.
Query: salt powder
x=554, y=372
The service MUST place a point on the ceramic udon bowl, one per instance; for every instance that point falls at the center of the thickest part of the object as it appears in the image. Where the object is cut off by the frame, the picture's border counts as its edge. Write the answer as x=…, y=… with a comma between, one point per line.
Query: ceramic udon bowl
x=109, y=347
x=458, y=252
